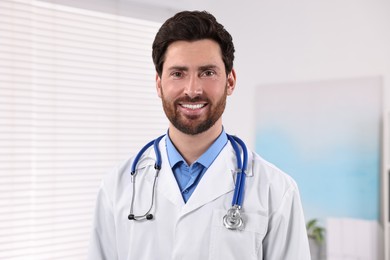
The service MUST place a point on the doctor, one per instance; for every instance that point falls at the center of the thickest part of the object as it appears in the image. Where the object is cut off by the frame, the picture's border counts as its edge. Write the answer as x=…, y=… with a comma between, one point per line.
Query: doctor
x=179, y=213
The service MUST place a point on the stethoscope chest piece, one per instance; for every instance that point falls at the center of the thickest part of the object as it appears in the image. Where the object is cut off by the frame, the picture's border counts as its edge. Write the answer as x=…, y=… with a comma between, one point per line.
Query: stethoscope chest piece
x=233, y=220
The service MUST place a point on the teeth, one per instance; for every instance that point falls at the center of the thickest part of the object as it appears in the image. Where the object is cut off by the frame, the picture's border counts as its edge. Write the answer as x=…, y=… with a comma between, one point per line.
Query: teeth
x=191, y=106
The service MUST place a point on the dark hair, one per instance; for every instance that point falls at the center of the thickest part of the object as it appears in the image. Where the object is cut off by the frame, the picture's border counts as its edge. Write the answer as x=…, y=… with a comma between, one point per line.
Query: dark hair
x=192, y=26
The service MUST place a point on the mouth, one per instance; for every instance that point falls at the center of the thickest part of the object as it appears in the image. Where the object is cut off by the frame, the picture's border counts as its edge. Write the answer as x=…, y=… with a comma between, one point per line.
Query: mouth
x=193, y=110
x=193, y=106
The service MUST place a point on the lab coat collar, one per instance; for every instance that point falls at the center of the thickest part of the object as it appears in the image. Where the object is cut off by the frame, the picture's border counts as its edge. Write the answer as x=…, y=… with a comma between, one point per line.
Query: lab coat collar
x=217, y=181
x=166, y=182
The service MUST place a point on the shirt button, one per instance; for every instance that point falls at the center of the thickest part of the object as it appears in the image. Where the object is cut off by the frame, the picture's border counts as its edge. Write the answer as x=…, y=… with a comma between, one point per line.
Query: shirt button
x=185, y=191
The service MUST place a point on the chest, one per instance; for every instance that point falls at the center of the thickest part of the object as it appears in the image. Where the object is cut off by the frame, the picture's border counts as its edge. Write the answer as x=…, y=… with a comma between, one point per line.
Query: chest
x=185, y=231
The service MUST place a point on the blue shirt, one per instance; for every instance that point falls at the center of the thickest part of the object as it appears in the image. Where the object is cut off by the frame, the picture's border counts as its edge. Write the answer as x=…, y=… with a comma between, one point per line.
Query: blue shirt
x=188, y=176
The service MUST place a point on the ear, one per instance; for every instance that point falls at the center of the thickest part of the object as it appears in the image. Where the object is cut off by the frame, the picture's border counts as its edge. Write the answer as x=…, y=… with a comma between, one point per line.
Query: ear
x=158, y=85
x=231, y=82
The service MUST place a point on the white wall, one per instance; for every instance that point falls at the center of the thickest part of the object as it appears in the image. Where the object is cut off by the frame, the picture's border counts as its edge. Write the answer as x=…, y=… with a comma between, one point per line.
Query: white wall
x=284, y=41
x=303, y=41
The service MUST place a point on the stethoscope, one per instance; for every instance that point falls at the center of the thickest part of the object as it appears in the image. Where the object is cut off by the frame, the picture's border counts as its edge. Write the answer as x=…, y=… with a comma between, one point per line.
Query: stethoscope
x=233, y=219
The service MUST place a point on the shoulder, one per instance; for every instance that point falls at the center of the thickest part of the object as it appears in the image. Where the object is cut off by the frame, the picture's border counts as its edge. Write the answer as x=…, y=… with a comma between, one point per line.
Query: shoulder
x=273, y=184
x=120, y=174
x=269, y=172
x=112, y=179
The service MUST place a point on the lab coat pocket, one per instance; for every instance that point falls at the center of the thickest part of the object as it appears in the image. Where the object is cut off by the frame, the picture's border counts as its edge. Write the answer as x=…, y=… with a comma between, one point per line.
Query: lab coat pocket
x=237, y=244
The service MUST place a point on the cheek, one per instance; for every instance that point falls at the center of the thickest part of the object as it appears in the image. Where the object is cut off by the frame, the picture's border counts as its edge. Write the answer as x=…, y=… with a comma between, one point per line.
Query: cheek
x=171, y=90
x=219, y=91
x=166, y=94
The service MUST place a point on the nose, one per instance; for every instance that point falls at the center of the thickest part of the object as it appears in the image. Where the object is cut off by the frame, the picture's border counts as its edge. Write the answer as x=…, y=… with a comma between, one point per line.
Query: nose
x=193, y=87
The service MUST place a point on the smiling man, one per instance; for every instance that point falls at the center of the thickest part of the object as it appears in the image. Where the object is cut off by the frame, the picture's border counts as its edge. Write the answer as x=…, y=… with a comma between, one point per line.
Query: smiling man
x=193, y=87
x=197, y=193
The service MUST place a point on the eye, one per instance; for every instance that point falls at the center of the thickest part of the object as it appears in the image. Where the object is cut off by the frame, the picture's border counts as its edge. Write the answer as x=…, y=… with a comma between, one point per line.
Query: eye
x=208, y=73
x=177, y=74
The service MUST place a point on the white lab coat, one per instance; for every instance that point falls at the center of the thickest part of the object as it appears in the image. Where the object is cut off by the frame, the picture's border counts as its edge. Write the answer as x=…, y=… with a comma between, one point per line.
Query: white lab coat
x=274, y=222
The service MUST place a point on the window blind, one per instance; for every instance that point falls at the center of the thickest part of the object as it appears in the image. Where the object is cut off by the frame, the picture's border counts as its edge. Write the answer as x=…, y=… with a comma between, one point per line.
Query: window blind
x=77, y=96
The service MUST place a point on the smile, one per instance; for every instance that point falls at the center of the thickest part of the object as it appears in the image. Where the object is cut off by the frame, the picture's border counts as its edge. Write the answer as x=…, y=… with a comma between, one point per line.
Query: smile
x=193, y=106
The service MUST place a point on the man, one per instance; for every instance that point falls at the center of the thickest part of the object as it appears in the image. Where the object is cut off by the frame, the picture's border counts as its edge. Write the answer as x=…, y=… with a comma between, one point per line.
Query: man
x=180, y=213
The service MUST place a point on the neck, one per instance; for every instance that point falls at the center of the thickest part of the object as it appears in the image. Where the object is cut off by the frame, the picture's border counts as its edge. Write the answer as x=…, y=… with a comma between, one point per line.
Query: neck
x=191, y=147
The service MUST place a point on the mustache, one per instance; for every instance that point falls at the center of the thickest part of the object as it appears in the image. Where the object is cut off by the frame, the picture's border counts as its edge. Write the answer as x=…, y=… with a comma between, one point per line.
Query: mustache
x=192, y=100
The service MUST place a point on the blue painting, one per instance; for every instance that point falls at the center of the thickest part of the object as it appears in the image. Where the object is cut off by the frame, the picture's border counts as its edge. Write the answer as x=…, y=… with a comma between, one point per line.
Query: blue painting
x=327, y=136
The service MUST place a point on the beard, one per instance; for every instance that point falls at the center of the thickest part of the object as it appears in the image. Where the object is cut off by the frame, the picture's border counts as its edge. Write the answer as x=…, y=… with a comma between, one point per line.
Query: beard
x=193, y=125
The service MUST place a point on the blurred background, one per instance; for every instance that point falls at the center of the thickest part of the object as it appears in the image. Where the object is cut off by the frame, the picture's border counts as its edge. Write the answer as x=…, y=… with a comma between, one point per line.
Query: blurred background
x=77, y=96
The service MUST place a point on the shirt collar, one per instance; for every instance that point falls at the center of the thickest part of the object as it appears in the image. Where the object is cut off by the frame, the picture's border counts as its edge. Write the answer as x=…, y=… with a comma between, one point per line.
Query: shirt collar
x=206, y=159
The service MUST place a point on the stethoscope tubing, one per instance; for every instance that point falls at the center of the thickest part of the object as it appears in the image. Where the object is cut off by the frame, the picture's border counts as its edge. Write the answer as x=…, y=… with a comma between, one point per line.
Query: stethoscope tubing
x=157, y=167
x=233, y=219
x=155, y=144
x=238, y=195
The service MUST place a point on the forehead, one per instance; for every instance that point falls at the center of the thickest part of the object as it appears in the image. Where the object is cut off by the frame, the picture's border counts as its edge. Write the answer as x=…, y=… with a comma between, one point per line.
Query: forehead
x=193, y=52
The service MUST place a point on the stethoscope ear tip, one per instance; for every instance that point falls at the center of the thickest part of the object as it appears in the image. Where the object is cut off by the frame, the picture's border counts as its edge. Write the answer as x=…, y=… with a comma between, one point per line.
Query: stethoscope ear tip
x=133, y=217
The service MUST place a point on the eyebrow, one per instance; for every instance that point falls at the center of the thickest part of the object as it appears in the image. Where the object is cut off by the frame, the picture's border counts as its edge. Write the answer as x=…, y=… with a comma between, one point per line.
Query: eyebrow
x=207, y=67
x=201, y=68
x=178, y=68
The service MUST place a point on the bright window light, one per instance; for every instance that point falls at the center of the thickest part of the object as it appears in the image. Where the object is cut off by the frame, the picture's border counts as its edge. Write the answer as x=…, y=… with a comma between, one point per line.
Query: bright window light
x=77, y=96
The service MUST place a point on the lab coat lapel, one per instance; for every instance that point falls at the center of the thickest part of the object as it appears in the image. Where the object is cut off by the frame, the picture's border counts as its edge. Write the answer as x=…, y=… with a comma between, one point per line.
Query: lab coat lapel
x=217, y=181
x=166, y=182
